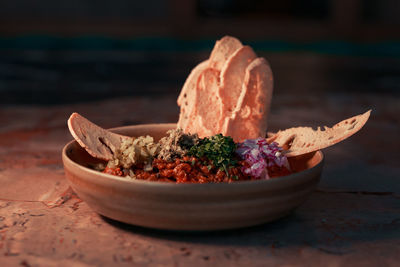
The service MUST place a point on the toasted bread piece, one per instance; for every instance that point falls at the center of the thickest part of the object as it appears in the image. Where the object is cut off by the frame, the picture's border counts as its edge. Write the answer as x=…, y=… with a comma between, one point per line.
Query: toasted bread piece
x=232, y=78
x=186, y=99
x=206, y=115
x=201, y=112
x=97, y=141
x=222, y=50
x=302, y=140
x=227, y=96
x=249, y=119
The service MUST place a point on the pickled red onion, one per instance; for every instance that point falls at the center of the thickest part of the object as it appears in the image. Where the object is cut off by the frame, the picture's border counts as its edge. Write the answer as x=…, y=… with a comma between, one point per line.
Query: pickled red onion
x=260, y=155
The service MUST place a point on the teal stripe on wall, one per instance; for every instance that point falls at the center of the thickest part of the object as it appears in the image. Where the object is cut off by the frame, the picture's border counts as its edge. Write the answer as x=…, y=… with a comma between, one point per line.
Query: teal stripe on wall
x=387, y=49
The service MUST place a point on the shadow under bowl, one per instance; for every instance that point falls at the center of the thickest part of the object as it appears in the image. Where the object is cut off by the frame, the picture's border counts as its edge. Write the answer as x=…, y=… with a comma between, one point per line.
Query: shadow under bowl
x=188, y=207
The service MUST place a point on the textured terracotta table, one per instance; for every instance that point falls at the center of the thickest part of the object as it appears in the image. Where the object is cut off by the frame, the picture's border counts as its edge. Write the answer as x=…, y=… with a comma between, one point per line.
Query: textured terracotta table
x=352, y=219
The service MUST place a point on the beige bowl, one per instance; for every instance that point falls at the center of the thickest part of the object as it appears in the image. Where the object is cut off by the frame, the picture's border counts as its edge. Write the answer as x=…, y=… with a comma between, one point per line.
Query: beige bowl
x=188, y=206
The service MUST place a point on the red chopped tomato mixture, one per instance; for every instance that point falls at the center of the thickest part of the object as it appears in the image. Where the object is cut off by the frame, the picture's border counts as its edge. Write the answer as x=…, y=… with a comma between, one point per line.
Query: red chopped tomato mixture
x=193, y=170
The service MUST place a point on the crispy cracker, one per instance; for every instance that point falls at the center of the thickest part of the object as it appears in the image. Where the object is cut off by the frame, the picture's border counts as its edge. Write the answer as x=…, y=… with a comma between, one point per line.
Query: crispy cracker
x=206, y=99
x=186, y=99
x=232, y=78
x=302, y=140
x=97, y=141
x=249, y=119
x=222, y=50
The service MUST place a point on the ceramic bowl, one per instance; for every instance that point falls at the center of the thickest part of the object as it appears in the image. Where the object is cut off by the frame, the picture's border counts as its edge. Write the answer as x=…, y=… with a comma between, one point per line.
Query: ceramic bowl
x=192, y=207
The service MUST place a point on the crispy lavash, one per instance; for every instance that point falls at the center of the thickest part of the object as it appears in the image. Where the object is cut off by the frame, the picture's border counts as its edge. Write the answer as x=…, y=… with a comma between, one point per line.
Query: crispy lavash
x=229, y=94
x=302, y=140
x=97, y=141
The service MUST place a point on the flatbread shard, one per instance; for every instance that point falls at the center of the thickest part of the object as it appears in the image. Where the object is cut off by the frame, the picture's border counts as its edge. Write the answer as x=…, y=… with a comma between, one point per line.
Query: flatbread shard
x=232, y=78
x=301, y=140
x=206, y=123
x=225, y=95
x=97, y=141
x=222, y=50
x=186, y=99
x=249, y=118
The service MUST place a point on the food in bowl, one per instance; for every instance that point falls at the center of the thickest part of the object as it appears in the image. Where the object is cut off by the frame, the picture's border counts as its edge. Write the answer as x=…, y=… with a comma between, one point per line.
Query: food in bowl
x=186, y=158
x=188, y=206
x=220, y=134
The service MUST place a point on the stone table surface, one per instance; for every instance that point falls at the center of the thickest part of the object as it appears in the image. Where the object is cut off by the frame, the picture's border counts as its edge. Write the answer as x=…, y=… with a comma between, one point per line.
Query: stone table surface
x=353, y=218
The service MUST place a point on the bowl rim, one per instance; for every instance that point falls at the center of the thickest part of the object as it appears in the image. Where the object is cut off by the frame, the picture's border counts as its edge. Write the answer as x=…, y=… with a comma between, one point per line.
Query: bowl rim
x=113, y=178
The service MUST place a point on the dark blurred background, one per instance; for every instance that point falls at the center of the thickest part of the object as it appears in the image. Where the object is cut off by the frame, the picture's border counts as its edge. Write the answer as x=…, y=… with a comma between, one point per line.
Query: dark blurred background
x=54, y=52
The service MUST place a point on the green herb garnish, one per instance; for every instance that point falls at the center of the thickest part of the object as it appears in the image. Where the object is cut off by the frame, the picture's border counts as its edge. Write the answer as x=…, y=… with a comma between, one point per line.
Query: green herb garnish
x=217, y=148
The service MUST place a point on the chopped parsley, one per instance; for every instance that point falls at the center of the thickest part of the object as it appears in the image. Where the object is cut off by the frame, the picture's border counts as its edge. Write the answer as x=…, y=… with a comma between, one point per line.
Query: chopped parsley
x=217, y=148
